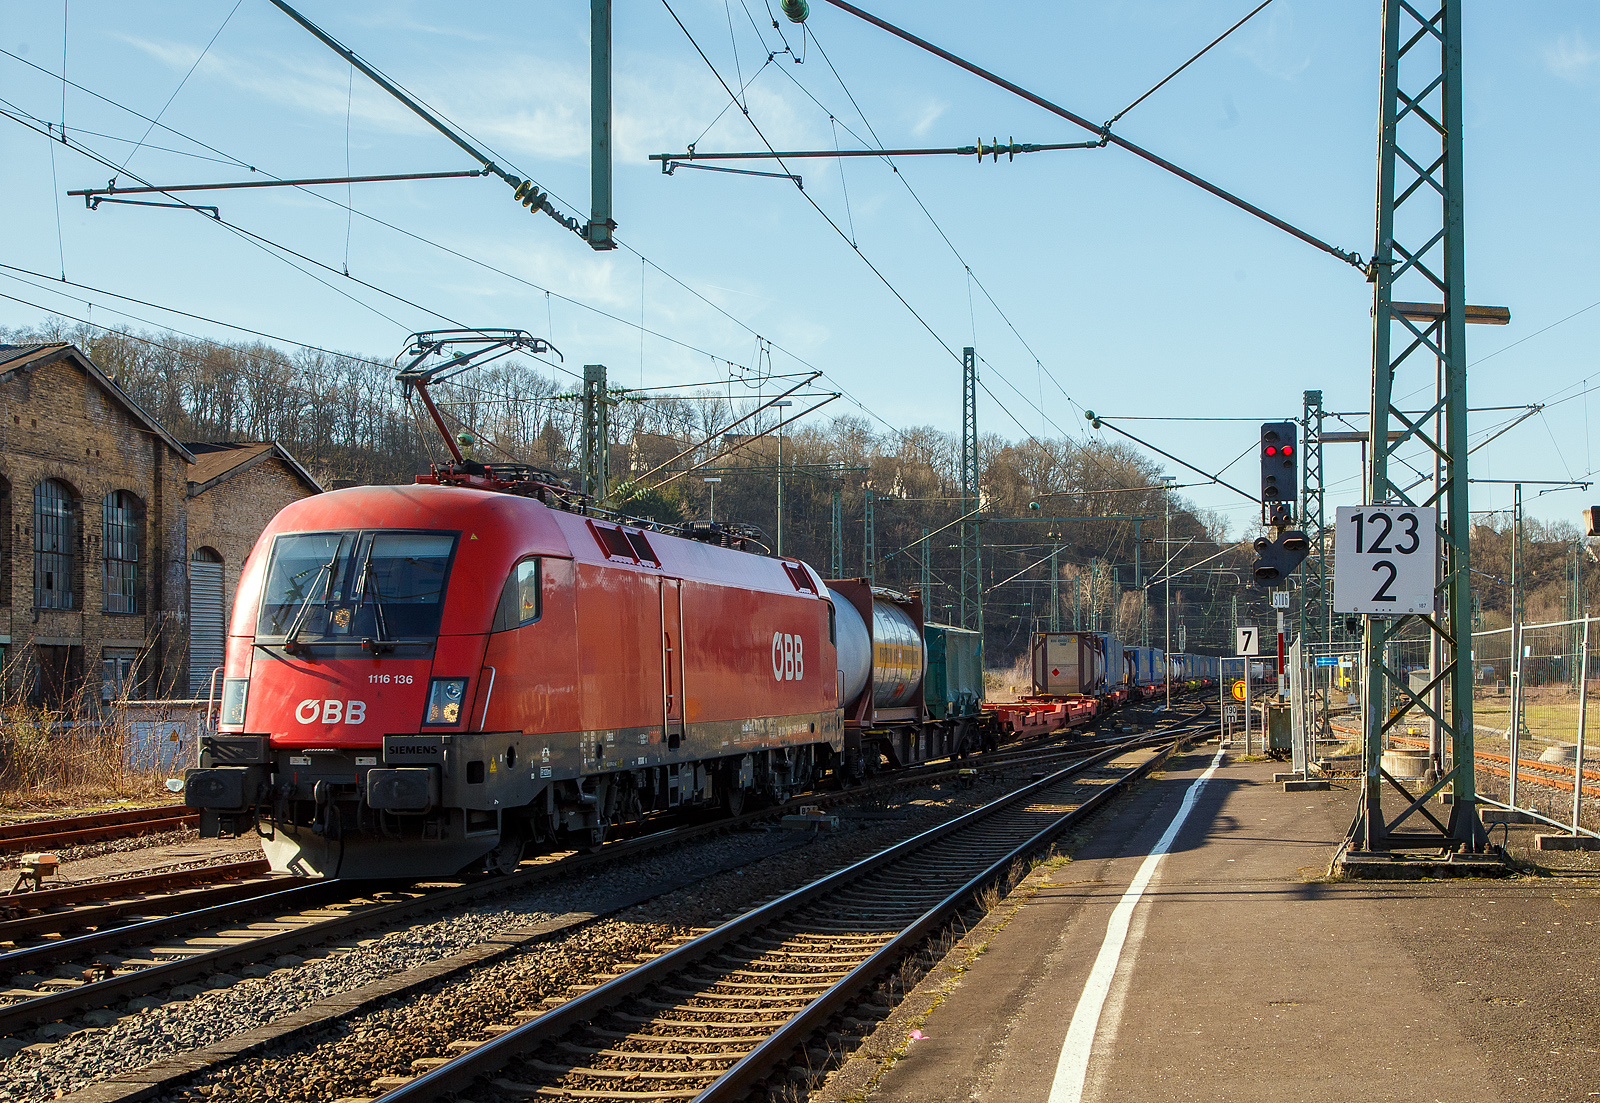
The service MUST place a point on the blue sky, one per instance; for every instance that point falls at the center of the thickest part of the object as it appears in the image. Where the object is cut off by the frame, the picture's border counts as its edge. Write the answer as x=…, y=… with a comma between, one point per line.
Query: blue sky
x=1130, y=292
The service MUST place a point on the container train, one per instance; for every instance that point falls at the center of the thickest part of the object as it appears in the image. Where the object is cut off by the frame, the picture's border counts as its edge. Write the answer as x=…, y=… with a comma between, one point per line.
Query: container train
x=424, y=679
x=1095, y=665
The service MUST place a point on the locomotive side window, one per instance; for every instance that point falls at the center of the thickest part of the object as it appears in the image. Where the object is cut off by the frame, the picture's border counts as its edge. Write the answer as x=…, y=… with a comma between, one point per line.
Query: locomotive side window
x=613, y=541
x=520, y=599
x=799, y=577
x=347, y=586
x=619, y=543
x=641, y=547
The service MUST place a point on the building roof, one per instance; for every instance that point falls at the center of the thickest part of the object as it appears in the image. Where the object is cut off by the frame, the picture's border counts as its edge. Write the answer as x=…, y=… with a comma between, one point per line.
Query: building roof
x=218, y=461
x=20, y=359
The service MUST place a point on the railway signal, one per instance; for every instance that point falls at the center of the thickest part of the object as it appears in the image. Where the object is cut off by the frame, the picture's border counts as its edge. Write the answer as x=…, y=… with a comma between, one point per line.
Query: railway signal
x=1279, y=465
x=1277, y=558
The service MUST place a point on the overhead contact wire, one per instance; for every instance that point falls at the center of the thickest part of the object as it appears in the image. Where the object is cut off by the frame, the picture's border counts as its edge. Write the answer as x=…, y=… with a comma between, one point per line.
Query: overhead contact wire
x=1107, y=137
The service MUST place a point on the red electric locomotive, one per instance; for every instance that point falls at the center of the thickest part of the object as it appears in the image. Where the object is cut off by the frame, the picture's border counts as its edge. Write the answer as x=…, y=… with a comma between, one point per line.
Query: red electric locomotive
x=422, y=678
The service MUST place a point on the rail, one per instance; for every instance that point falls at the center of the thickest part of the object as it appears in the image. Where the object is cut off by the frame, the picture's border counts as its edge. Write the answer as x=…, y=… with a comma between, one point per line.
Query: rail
x=491, y=1056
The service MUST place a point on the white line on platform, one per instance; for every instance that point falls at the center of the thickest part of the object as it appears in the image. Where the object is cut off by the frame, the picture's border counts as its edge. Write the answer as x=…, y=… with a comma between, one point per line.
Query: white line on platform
x=1072, y=1070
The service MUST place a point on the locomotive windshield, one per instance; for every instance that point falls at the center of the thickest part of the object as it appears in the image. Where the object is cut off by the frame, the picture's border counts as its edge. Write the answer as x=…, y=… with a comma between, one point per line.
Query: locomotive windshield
x=350, y=586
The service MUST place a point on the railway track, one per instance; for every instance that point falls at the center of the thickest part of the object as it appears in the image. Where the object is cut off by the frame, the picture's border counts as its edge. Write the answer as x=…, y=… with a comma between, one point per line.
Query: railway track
x=150, y=941
x=145, y=944
x=1553, y=774
x=100, y=905
x=715, y=1017
x=16, y=838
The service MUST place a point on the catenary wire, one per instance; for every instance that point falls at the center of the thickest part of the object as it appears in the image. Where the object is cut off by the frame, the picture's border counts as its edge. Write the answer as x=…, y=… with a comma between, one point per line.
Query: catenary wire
x=489, y=267
x=1164, y=80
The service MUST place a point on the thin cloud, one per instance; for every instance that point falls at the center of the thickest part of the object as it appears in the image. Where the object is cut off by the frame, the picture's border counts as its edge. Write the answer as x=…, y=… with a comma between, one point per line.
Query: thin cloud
x=523, y=104
x=1275, y=45
x=1570, y=57
x=931, y=112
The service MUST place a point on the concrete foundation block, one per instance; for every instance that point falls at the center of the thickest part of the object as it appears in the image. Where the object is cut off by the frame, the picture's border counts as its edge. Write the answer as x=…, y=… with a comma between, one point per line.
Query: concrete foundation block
x=1366, y=866
x=1567, y=842
x=1294, y=775
x=1315, y=785
x=1504, y=815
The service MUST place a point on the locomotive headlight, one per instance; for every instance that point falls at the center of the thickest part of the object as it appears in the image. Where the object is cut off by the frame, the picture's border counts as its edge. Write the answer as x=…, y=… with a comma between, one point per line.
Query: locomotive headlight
x=234, y=692
x=444, y=700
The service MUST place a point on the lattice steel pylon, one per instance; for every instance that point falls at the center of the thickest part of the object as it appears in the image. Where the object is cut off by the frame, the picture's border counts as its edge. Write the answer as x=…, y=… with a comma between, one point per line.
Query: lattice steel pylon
x=595, y=444
x=869, y=547
x=1316, y=603
x=971, y=530
x=836, y=537
x=926, y=581
x=1419, y=250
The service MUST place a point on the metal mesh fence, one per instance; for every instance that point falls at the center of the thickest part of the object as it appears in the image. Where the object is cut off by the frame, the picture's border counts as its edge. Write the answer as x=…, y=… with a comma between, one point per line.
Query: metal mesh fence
x=1532, y=690
x=1528, y=716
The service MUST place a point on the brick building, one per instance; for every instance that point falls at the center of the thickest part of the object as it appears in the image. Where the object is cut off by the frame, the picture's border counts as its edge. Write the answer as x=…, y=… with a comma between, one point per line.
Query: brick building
x=97, y=501
x=234, y=490
x=92, y=495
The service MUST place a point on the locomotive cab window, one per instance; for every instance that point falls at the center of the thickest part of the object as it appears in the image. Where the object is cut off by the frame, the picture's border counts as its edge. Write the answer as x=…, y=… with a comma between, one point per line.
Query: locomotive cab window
x=333, y=587
x=520, y=599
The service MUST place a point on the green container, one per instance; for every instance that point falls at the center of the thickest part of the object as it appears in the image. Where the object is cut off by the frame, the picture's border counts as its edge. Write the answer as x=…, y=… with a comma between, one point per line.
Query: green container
x=953, y=683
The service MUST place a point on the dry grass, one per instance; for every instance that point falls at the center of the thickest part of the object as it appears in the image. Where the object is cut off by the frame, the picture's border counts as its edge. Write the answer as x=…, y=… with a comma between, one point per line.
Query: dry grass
x=1009, y=683
x=74, y=756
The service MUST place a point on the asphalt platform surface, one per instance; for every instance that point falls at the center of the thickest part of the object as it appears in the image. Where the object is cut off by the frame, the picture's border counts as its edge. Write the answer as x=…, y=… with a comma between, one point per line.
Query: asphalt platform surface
x=1247, y=974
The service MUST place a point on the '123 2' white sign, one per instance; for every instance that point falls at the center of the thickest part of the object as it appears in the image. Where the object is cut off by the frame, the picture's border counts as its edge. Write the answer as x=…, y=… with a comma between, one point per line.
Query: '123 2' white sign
x=1385, y=559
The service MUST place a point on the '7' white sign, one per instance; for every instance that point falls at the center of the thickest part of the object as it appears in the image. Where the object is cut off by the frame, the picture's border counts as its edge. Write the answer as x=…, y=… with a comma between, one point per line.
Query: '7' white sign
x=1384, y=559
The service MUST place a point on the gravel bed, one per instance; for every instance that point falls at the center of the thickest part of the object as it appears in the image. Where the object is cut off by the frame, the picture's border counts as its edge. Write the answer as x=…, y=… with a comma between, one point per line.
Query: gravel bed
x=82, y=851
x=64, y=1057
x=344, y=1061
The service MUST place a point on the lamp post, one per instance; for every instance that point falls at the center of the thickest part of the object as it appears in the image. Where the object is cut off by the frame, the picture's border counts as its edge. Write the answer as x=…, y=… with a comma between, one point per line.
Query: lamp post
x=779, y=406
x=712, y=483
x=1167, y=481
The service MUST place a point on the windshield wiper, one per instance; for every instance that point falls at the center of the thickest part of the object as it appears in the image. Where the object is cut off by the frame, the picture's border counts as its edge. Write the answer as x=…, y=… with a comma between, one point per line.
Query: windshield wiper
x=291, y=642
x=367, y=585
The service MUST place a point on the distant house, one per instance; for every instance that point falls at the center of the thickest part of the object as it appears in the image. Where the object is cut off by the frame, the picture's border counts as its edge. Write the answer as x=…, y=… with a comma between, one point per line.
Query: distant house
x=117, y=539
x=234, y=489
x=653, y=450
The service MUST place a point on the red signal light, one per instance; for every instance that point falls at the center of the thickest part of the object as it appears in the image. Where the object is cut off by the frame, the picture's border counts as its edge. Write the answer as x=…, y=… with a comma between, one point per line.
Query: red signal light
x=1271, y=451
x=1288, y=450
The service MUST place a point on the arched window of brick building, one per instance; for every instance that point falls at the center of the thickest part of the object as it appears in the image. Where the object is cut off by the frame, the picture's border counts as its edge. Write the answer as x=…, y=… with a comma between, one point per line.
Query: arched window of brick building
x=120, y=517
x=55, y=545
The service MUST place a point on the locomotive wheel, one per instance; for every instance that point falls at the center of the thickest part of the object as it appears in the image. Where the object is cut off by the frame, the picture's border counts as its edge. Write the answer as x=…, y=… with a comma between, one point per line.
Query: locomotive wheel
x=506, y=856
x=733, y=801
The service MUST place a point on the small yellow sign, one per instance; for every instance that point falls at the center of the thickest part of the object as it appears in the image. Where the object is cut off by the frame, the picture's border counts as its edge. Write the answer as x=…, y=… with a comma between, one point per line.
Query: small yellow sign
x=1238, y=690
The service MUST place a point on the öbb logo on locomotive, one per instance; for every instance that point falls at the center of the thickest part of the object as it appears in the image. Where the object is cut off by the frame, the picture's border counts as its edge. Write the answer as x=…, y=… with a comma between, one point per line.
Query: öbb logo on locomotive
x=788, y=657
x=330, y=711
